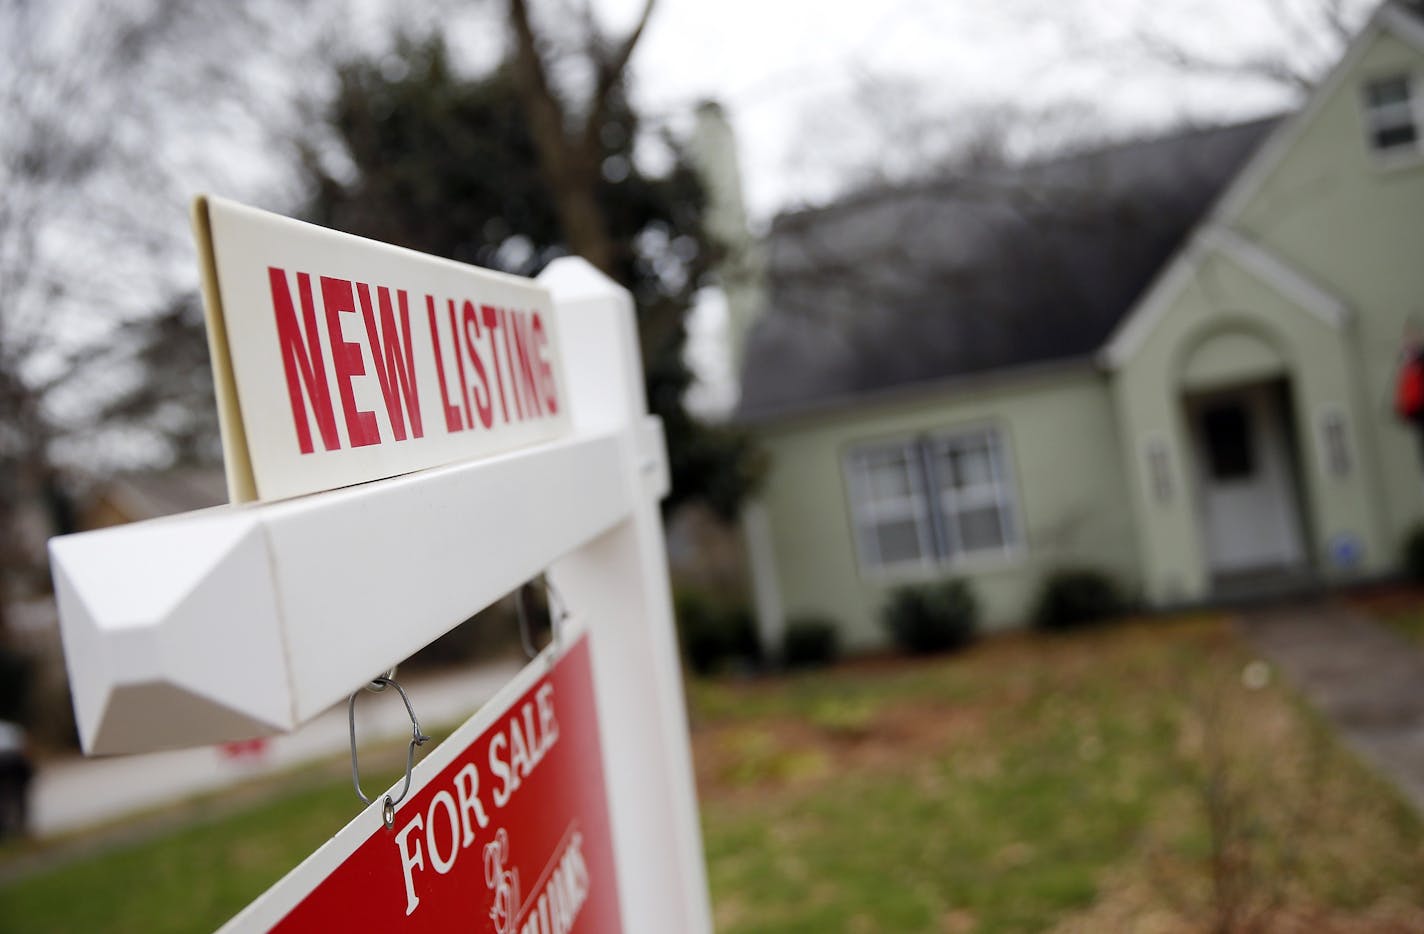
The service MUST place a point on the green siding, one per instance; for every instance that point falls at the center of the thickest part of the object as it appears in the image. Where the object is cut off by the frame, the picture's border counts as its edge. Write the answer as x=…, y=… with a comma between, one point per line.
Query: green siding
x=1231, y=358
x=1062, y=443
x=1353, y=226
x=1222, y=299
x=1331, y=207
x=1077, y=439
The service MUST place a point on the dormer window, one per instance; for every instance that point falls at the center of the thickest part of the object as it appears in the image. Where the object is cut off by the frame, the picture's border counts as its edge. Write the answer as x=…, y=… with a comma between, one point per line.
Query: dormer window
x=1392, y=114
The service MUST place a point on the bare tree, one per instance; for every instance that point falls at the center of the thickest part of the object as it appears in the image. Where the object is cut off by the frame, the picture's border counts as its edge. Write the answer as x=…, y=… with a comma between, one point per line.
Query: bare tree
x=568, y=132
x=1307, y=39
x=110, y=109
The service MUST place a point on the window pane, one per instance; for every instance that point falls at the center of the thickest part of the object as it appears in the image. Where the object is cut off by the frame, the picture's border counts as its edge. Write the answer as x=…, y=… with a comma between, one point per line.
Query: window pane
x=898, y=541
x=966, y=464
x=1337, y=447
x=1392, y=136
x=981, y=529
x=888, y=475
x=1228, y=442
x=1387, y=91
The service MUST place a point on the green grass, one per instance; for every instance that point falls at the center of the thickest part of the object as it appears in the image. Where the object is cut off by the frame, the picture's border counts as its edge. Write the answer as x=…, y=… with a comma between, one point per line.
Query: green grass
x=1038, y=782
x=193, y=879
x=1408, y=623
x=144, y=875
x=1032, y=783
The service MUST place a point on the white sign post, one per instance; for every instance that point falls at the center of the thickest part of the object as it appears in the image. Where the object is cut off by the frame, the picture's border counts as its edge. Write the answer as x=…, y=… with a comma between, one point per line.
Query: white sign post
x=536, y=453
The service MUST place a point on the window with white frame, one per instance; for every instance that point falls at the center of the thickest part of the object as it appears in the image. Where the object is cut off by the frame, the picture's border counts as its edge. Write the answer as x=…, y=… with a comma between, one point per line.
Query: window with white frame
x=933, y=499
x=1392, y=114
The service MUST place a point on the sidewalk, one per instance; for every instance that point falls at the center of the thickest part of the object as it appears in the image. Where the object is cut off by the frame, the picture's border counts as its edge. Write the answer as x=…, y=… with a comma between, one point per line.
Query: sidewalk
x=78, y=792
x=1365, y=679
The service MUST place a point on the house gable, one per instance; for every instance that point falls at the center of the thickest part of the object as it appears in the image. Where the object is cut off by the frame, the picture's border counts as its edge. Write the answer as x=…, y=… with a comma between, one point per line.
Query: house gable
x=1247, y=218
x=1302, y=285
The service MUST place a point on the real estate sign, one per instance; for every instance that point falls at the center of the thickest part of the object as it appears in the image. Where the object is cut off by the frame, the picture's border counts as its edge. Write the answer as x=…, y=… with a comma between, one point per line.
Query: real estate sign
x=340, y=360
x=506, y=829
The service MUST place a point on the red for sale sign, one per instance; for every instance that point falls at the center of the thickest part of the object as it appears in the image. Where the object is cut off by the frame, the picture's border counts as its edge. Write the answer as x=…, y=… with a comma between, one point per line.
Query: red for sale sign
x=505, y=829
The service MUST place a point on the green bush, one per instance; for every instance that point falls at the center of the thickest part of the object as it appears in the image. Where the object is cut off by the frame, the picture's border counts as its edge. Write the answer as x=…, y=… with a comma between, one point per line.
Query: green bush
x=715, y=632
x=810, y=642
x=1076, y=597
x=938, y=617
x=1414, y=554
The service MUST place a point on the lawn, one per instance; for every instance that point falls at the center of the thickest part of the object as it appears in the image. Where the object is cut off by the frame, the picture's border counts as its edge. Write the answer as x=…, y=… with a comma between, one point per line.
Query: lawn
x=1144, y=777
x=1149, y=776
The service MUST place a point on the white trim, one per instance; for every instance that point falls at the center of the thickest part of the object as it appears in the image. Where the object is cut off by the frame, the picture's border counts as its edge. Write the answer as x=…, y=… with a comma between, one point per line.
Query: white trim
x=766, y=581
x=1132, y=332
x=1128, y=337
x=1325, y=413
x=935, y=507
x=1404, y=25
x=1000, y=491
x=868, y=513
x=1251, y=257
x=1280, y=275
x=1148, y=444
x=1393, y=158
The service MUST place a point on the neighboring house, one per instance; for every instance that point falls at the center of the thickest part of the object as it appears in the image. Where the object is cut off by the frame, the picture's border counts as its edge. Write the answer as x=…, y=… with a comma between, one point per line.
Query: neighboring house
x=1171, y=360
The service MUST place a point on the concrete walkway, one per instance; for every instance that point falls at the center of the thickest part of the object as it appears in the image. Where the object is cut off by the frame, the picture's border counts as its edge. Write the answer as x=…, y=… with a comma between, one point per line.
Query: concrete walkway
x=1367, y=680
x=75, y=793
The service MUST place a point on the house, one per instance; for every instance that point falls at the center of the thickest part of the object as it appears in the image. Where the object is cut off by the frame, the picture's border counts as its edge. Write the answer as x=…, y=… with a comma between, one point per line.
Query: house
x=1172, y=361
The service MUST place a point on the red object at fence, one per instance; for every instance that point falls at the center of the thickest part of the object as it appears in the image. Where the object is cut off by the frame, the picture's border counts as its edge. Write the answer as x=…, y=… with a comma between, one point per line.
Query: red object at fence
x=1409, y=388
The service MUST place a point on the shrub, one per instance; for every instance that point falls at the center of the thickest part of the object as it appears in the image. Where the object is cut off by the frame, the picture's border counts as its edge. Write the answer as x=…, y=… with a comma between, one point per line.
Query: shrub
x=810, y=642
x=925, y=618
x=715, y=632
x=1075, y=597
x=17, y=671
x=1414, y=554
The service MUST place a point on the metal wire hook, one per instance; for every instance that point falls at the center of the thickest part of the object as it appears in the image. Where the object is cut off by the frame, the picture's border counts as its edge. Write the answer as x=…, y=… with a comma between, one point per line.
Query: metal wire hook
x=377, y=685
x=417, y=738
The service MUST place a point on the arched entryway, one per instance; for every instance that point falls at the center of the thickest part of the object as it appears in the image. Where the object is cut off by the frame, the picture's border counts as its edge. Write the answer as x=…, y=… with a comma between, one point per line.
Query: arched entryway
x=1245, y=462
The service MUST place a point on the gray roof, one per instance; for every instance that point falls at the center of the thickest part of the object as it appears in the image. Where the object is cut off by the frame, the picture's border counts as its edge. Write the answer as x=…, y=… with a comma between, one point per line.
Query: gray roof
x=960, y=276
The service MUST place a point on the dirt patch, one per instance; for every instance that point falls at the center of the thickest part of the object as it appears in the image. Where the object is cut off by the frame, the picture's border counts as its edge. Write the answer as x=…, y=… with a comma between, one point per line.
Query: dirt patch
x=1383, y=600
x=788, y=752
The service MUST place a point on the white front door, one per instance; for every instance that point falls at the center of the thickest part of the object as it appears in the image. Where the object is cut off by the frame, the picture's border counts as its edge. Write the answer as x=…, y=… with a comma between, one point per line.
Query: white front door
x=1248, y=496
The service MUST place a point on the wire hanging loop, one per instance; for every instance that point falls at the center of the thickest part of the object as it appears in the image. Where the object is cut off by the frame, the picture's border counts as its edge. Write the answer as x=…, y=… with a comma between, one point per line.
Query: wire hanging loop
x=377, y=685
x=417, y=738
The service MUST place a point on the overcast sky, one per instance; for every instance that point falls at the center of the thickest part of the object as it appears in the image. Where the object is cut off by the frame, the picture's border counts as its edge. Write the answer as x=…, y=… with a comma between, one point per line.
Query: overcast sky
x=788, y=70
x=816, y=88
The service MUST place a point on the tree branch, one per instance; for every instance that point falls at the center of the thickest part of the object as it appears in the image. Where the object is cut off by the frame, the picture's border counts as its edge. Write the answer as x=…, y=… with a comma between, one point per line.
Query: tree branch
x=546, y=112
x=610, y=73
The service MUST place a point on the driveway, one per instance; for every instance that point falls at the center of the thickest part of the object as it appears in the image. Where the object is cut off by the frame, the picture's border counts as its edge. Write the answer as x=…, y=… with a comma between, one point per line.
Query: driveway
x=1362, y=676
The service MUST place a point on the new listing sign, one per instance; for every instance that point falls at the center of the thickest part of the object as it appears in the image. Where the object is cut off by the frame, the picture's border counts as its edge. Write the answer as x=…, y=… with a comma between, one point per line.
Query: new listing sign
x=505, y=830
x=339, y=360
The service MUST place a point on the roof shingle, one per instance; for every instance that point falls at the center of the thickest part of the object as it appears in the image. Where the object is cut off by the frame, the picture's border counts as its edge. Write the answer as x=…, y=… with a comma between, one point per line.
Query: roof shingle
x=964, y=275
